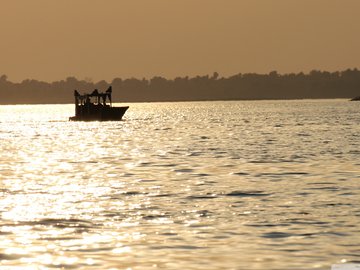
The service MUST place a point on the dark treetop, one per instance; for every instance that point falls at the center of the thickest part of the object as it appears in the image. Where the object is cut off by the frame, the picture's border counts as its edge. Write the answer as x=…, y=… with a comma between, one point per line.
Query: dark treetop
x=250, y=86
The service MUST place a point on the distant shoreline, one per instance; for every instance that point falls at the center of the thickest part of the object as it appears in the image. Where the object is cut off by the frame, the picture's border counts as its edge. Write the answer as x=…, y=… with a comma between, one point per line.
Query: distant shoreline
x=250, y=86
x=185, y=101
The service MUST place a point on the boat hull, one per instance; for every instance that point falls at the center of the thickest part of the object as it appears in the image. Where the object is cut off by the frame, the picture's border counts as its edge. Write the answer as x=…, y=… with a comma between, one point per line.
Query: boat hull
x=100, y=113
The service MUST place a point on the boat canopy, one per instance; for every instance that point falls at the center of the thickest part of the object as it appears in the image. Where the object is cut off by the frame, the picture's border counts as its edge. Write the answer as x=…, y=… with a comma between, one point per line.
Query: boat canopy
x=83, y=99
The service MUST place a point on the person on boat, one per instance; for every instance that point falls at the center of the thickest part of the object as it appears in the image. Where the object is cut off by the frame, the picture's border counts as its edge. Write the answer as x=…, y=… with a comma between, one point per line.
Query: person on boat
x=108, y=93
x=87, y=101
x=95, y=93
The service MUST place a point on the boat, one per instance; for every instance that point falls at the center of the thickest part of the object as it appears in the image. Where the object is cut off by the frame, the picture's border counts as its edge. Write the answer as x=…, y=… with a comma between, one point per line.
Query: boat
x=95, y=107
x=355, y=98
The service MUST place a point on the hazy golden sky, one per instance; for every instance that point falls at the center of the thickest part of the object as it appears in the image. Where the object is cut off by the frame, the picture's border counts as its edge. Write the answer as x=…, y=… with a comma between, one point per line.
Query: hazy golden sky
x=102, y=39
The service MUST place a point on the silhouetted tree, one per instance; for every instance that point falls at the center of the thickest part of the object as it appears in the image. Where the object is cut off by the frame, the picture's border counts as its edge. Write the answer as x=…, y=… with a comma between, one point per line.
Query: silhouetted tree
x=315, y=84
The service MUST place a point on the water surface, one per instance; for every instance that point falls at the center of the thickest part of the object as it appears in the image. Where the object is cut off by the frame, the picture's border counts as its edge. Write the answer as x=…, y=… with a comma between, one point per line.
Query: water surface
x=193, y=185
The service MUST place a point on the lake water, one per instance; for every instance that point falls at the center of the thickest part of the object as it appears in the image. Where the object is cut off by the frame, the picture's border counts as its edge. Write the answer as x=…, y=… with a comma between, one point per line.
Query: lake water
x=193, y=185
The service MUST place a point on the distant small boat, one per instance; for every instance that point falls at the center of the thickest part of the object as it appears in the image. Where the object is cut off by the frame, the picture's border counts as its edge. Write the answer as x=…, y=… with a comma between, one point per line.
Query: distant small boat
x=94, y=107
x=355, y=98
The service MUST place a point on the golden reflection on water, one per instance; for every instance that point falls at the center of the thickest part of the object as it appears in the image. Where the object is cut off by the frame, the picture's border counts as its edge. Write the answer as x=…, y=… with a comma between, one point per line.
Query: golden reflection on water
x=215, y=185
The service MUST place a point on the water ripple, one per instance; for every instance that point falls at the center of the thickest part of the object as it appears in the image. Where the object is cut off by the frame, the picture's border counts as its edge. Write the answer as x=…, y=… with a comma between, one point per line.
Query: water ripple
x=191, y=185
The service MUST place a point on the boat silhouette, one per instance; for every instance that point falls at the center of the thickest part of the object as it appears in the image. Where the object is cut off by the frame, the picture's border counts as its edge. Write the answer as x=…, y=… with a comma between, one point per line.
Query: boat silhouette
x=94, y=107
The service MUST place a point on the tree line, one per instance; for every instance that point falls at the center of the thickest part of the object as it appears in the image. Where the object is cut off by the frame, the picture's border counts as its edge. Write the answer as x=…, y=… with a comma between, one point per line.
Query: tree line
x=249, y=86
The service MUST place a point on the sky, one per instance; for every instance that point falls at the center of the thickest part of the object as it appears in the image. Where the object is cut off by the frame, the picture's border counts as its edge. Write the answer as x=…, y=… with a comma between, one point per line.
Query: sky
x=103, y=39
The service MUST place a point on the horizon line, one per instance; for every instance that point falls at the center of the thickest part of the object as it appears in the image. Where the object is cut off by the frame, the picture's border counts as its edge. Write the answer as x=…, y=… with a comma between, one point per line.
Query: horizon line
x=90, y=80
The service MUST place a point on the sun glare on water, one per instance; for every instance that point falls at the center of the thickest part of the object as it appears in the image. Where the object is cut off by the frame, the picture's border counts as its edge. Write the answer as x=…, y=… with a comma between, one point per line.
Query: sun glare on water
x=235, y=185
